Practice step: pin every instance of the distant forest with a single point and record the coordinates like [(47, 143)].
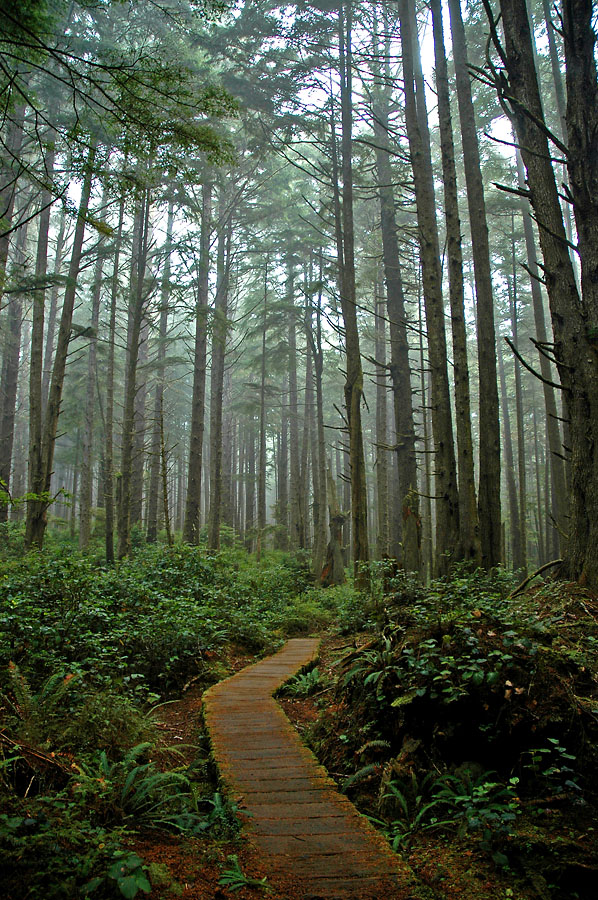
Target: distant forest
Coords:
[(314, 276)]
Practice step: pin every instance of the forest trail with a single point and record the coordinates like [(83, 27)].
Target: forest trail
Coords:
[(310, 835)]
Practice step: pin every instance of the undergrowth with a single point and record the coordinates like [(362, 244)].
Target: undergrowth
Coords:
[(88, 656), (472, 715)]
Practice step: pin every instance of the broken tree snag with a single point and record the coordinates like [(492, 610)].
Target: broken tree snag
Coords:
[(411, 534), (333, 571)]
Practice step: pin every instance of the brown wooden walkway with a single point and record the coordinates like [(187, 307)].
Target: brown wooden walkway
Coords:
[(306, 830)]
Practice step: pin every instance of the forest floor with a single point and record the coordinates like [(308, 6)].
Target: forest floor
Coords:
[(461, 717), (191, 867), (448, 865)]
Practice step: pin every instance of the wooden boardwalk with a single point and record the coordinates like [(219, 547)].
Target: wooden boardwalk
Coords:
[(308, 833)]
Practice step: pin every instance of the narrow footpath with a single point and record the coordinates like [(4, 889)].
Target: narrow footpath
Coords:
[(308, 833)]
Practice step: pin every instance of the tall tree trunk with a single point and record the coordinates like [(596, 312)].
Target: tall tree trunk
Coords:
[(228, 455), (399, 368), (426, 465), (559, 496), (354, 376), (75, 488), (19, 479), (242, 481), (574, 318), (469, 526), (561, 105), (51, 324), (156, 448), (509, 470), (193, 502), (250, 487), (164, 470), (381, 434), (282, 502), (305, 452), (109, 436), (296, 522), (136, 312), (542, 554), (512, 288), (138, 457), (10, 378), (41, 470), (219, 336), (321, 499), (446, 495), (35, 475), (489, 427), (11, 171), (261, 474), (85, 491)]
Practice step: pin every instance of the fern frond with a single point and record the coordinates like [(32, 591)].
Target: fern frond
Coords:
[(360, 775), (373, 745)]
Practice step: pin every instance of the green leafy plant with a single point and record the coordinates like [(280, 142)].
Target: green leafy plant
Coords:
[(441, 801), (414, 806), (373, 668), (221, 819), (37, 711), (129, 790), (127, 871), (480, 803), (234, 878), (304, 684), (552, 764)]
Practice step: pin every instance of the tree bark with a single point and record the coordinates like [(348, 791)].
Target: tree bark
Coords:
[(489, 426), (305, 452), (9, 379), (560, 501), (296, 521), (136, 312), (509, 471), (11, 171), (250, 487), (354, 375), (261, 473), (35, 475), (334, 568), (574, 318), (219, 336), (109, 436), (542, 551), (321, 500), (51, 324), (164, 471), (85, 490), (42, 462), (156, 452), (399, 367), (282, 502), (446, 495), (138, 456), (381, 461), (193, 502), (469, 525), (520, 561)]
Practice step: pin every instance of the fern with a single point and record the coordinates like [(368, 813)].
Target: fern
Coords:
[(133, 790), (360, 775), (36, 710), (373, 745)]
